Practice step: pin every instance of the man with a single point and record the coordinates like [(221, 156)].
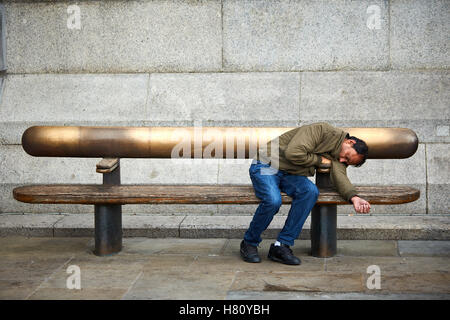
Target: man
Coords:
[(295, 155)]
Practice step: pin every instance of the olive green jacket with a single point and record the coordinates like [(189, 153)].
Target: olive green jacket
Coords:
[(300, 151)]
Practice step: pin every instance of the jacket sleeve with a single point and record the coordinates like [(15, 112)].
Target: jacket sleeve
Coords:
[(300, 150), (340, 180)]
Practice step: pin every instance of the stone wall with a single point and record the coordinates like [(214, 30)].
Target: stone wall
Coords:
[(226, 63)]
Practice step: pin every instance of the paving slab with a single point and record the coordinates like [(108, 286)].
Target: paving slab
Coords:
[(13, 247), (436, 282), (17, 289), (183, 246), (169, 262), (146, 247), (300, 281), (257, 295), (428, 264), (190, 285), (75, 294), (360, 264), (424, 248), (391, 265), (234, 263), (97, 274), (34, 268)]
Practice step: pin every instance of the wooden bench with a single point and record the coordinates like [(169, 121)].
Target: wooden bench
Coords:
[(113, 143)]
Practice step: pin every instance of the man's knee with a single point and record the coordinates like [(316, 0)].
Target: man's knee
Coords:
[(311, 191), (307, 191), (273, 201)]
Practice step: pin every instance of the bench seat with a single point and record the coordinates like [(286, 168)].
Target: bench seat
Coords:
[(190, 194)]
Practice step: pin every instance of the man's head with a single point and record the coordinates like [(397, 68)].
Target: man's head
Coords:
[(354, 151)]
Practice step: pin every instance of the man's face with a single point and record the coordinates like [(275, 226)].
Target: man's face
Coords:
[(348, 154)]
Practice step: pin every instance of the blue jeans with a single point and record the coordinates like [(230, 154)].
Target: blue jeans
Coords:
[(268, 182)]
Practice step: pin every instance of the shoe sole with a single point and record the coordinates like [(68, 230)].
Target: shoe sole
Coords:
[(281, 261)]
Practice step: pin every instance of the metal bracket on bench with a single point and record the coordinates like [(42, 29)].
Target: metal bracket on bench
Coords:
[(108, 217), (107, 165), (323, 220), (324, 168)]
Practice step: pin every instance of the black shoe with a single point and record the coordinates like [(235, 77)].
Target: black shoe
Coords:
[(249, 253), (282, 254)]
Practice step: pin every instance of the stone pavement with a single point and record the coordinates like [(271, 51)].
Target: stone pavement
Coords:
[(177, 268)]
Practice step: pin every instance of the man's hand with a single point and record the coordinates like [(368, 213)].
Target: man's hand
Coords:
[(360, 205), (325, 160)]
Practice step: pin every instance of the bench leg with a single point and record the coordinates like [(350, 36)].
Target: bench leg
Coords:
[(108, 229), (323, 223), (108, 219), (323, 231)]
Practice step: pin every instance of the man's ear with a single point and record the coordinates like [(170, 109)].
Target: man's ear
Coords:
[(351, 142)]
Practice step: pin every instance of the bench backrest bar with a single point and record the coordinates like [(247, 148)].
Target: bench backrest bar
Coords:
[(190, 142)]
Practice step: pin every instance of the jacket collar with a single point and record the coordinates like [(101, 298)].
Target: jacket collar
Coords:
[(337, 148)]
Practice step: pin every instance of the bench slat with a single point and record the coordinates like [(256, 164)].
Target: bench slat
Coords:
[(190, 194)]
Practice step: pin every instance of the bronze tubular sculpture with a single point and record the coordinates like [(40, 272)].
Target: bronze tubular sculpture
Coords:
[(113, 143), (159, 142)]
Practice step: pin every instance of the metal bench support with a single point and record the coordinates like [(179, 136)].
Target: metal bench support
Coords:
[(323, 223), (108, 217)]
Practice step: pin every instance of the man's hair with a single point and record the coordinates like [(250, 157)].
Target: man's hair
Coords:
[(361, 148)]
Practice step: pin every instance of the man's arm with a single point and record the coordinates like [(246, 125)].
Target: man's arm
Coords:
[(300, 150), (345, 188)]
